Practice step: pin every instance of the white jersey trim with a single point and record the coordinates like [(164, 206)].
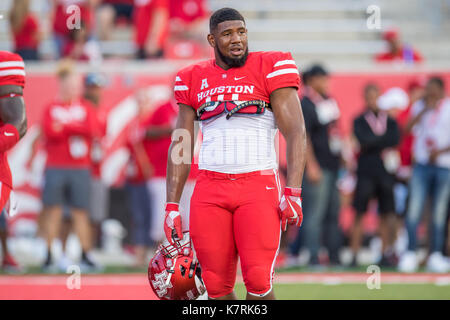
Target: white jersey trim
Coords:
[(12, 72), (11, 64), (181, 88), (284, 62), (281, 72)]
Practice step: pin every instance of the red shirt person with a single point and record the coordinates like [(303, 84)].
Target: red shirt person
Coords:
[(13, 123), (151, 19), (25, 30), (398, 51)]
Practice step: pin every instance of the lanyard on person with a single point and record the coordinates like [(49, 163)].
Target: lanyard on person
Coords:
[(378, 125)]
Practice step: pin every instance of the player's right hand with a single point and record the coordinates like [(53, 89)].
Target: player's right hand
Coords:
[(172, 222), (290, 208)]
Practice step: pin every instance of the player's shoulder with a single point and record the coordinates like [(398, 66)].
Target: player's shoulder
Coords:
[(6, 56), (195, 68), (272, 56)]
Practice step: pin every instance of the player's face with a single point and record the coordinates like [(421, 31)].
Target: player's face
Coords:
[(229, 41)]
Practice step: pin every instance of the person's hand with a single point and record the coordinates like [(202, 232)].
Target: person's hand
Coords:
[(291, 208), (314, 173), (172, 223), (434, 153)]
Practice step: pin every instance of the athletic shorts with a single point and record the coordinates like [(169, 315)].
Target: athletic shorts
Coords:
[(5, 191), (378, 187), (231, 216), (69, 187)]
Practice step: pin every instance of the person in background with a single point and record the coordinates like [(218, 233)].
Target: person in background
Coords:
[(25, 30), (320, 193), (415, 91), (62, 16), (79, 46), (188, 18), (99, 204), (67, 128), (430, 125), (138, 172), (398, 51), (151, 21), (110, 12), (376, 133), (157, 142)]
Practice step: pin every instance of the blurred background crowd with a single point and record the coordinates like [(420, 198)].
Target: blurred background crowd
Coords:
[(90, 174)]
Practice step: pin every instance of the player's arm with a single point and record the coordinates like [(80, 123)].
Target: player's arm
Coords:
[(178, 167), (13, 116), (289, 118)]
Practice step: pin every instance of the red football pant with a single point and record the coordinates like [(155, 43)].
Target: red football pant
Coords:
[(231, 215), (5, 191)]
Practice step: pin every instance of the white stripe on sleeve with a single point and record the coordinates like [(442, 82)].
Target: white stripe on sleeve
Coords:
[(12, 72), (281, 72), (284, 62), (10, 64), (181, 88)]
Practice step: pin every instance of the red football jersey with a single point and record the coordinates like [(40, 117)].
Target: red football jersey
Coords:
[(262, 73), (68, 130), (12, 72)]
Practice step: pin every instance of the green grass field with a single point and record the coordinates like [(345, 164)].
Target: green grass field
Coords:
[(309, 291)]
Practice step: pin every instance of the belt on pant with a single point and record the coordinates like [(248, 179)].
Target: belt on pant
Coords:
[(234, 176)]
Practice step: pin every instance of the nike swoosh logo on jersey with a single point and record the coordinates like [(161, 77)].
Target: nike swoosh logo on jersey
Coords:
[(269, 188), (8, 134), (239, 78)]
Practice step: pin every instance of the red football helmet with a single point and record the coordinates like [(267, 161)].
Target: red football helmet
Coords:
[(168, 271)]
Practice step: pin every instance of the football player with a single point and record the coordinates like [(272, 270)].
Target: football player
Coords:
[(13, 120), (13, 126), (238, 208)]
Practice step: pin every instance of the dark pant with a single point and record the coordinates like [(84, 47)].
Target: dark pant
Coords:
[(139, 200), (428, 180), (320, 217)]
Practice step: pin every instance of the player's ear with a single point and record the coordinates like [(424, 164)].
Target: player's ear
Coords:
[(211, 40)]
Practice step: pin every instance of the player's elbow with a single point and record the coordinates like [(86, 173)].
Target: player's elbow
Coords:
[(23, 127)]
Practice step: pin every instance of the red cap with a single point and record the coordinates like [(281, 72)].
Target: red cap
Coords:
[(390, 35), (416, 83)]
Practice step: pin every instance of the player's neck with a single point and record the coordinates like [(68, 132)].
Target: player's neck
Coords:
[(221, 64)]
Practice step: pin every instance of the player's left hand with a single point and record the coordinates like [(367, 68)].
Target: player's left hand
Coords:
[(291, 208)]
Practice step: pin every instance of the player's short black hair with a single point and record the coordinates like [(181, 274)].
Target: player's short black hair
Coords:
[(224, 14), (437, 81)]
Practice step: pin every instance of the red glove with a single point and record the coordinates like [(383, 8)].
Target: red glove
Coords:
[(291, 207), (172, 222)]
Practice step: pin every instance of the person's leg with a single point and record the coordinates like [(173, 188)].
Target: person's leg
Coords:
[(53, 200), (314, 217), (3, 233), (333, 234), (139, 202), (364, 190), (257, 230), (211, 231), (386, 205), (419, 189), (79, 187), (439, 207), (157, 189)]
